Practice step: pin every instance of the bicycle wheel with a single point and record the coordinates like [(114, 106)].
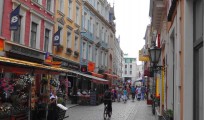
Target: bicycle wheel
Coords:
[(105, 114)]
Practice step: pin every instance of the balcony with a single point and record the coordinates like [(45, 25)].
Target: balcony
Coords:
[(88, 36)]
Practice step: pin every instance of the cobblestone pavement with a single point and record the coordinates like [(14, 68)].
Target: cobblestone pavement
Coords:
[(137, 110)]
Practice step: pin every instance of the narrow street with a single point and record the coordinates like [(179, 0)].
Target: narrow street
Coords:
[(137, 110)]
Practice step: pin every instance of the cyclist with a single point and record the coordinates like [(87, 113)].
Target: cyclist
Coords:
[(108, 100)]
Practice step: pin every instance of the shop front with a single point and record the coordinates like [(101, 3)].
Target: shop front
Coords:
[(25, 88)]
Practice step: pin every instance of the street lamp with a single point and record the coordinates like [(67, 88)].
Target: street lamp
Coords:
[(154, 55)]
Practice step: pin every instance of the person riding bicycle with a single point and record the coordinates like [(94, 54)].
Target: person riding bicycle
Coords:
[(107, 99)]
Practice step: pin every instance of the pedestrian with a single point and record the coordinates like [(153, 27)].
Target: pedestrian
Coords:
[(133, 92), (52, 105), (143, 90)]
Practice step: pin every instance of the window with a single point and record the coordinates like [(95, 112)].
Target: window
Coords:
[(125, 72), (102, 34), (69, 39), (91, 25), (97, 29), (85, 20), (90, 53), (125, 66), (84, 50), (105, 59), (96, 54), (61, 31), (61, 6), (17, 33), (130, 66), (76, 43), (102, 58), (46, 44), (70, 9), (49, 5), (33, 35), (130, 72), (77, 15)]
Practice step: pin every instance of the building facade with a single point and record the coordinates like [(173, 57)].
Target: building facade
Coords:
[(129, 69)]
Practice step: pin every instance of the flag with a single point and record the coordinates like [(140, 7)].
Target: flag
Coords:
[(14, 18), (57, 38)]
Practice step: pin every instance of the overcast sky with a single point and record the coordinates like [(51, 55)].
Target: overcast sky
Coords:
[(132, 18)]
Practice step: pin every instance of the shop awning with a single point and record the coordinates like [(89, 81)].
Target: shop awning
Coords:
[(111, 75), (37, 65), (97, 75)]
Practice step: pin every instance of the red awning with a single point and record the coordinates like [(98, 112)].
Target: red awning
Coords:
[(97, 75)]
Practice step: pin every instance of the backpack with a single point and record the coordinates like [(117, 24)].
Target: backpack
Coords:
[(107, 94)]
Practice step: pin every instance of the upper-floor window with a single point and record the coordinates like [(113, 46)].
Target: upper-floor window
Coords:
[(76, 43), (49, 5), (61, 6), (125, 66), (61, 33), (17, 33), (46, 44), (77, 15), (85, 20), (105, 56), (96, 59), (97, 29), (33, 35), (70, 9), (91, 25), (38, 1), (125, 72), (130, 66), (84, 50), (69, 39), (90, 53), (130, 72)]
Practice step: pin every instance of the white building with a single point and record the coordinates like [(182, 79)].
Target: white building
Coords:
[(129, 69)]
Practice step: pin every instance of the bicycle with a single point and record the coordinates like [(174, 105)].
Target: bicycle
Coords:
[(107, 113)]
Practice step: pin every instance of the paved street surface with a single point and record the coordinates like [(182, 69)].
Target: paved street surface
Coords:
[(137, 110)]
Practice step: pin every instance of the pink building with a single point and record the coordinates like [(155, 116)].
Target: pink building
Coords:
[(35, 28)]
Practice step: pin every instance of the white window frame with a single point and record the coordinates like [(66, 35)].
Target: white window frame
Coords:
[(77, 14), (38, 1), (91, 24), (105, 59), (61, 33), (50, 27), (97, 29), (76, 42), (85, 21), (101, 57), (51, 6), (84, 50), (61, 5), (70, 6), (90, 52), (36, 20), (69, 39), (96, 54), (22, 13)]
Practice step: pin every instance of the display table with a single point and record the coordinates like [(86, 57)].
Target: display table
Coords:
[(23, 116)]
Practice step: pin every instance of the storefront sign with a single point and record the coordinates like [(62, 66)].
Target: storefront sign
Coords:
[(66, 63), (21, 50), (1, 44), (91, 66), (143, 55)]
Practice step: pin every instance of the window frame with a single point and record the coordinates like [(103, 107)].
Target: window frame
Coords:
[(46, 41), (70, 9), (33, 45)]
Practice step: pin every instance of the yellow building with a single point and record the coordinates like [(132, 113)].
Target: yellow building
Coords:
[(68, 19)]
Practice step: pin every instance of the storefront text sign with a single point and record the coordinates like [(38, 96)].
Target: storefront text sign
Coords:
[(21, 50)]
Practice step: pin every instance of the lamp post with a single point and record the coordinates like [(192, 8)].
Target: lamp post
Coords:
[(154, 55)]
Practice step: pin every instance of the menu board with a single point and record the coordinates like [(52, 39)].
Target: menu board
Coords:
[(93, 98)]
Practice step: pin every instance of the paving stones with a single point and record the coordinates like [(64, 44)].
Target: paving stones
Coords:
[(137, 110)]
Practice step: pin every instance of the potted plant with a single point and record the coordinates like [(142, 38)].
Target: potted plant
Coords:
[(59, 48), (69, 51), (44, 80), (76, 53), (169, 114)]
